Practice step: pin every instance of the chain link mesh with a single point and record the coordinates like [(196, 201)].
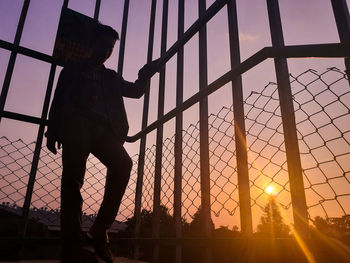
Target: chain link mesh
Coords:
[(322, 109)]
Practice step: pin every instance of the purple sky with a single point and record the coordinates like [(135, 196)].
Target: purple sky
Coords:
[(304, 22)]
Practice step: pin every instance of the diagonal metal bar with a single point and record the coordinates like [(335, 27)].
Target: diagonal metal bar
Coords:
[(27, 52), (335, 50), (300, 51)]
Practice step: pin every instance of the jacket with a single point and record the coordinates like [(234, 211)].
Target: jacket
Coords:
[(70, 86)]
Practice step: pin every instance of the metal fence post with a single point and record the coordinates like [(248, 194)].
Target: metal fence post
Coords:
[(159, 143), (141, 160), (204, 134), (39, 140), (97, 9), (289, 126), (38, 144), (40, 136), (12, 60), (123, 37), (342, 19), (178, 134), (239, 124)]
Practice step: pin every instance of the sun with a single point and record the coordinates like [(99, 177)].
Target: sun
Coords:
[(269, 189)]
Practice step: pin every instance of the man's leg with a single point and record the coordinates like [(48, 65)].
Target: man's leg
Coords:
[(74, 156), (113, 155), (118, 162)]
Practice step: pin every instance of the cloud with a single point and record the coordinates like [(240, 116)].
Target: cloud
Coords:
[(246, 37)]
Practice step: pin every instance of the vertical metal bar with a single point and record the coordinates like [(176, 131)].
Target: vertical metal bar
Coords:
[(178, 134), (159, 143), (239, 124), (204, 134), (289, 126), (342, 19), (123, 37), (12, 60), (97, 9), (38, 144), (141, 160), (36, 156)]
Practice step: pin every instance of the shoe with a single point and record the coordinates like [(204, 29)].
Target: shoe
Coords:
[(80, 255), (101, 246)]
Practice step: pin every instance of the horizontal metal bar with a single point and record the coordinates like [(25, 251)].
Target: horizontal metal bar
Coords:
[(188, 242), (20, 117), (317, 50), (301, 51), (28, 52)]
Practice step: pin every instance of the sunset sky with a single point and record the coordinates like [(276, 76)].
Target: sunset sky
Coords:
[(304, 22)]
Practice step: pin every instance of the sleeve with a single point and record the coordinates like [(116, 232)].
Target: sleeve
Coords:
[(55, 114), (132, 89)]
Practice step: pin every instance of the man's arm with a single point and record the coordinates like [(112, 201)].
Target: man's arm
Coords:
[(137, 89), (55, 114)]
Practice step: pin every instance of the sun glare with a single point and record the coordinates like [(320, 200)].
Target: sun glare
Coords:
[(269, 189)]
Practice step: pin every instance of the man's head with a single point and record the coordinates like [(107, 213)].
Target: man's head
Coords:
[(103, 43)]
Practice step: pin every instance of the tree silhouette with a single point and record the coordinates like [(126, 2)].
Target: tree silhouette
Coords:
[(166, 224), (272, 224), (196, 226), (336, 227)]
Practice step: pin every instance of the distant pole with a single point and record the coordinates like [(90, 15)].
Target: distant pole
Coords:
[(289, 125), (239, 124)]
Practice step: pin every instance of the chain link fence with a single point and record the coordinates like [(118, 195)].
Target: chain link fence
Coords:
[(322, 109)]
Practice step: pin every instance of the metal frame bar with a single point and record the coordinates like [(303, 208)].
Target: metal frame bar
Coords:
[(239, 124), (204, 135), (300, 51), (38, 144), (141, 160), (123, 37), (159, 139), (342, 19), (178, 134), (295, 173), (13, 56), (331, 50), (279, 52), (27, 52), (40, 135)]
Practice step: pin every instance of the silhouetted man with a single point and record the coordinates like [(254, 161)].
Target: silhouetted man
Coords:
[(88, 116)]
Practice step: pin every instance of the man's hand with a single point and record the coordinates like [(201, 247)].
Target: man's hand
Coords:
[(51, 144), (148, 70)]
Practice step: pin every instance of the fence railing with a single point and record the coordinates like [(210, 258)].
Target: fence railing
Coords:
[(322, 115), (31, 164)]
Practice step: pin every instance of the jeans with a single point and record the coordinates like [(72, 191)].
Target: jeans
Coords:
[(80, 137)]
